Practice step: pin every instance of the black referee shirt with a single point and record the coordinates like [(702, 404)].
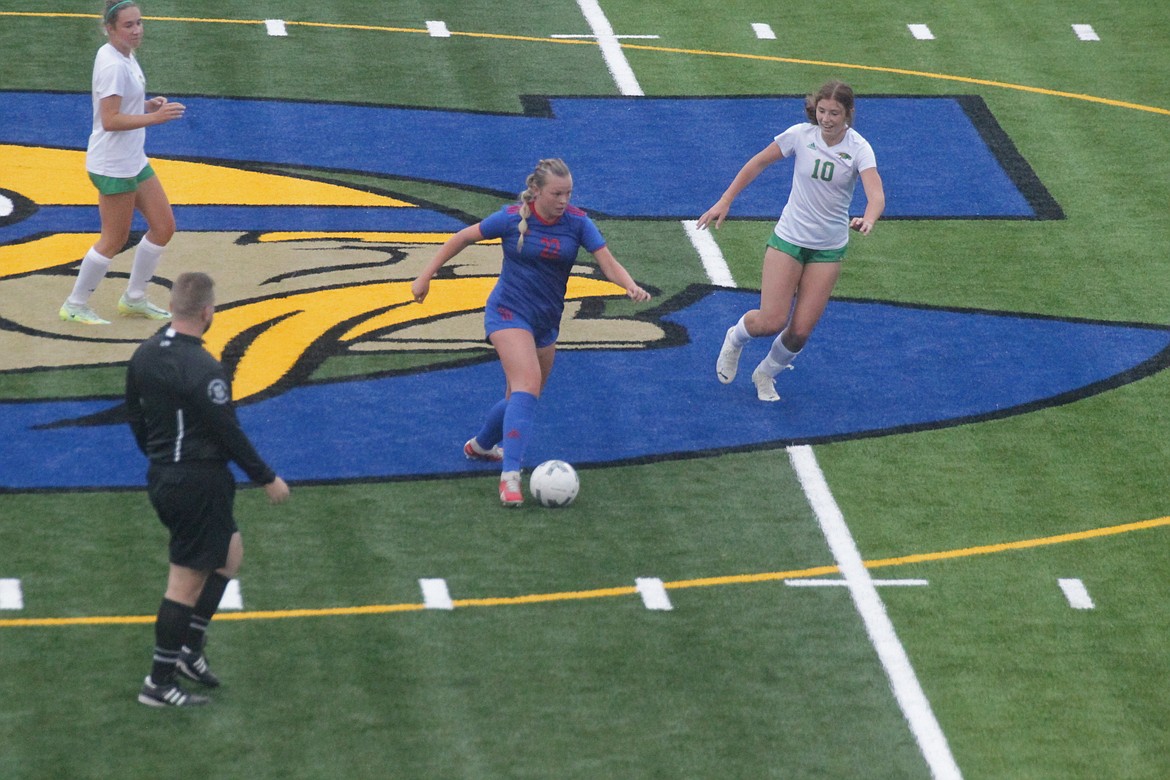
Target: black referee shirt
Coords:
[(180, 407)]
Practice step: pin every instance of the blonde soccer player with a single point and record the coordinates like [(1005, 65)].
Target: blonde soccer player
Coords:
[(540, 235)]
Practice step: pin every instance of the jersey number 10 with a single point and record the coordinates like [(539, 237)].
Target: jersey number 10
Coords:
[(823, 170)]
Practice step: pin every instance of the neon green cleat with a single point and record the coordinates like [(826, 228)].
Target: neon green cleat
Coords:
[(71, 312), (141, 308)]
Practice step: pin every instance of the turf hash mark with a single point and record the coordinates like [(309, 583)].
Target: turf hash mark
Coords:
[(624, 591)]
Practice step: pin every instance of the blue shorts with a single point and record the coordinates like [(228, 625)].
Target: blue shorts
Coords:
[(501, 318)]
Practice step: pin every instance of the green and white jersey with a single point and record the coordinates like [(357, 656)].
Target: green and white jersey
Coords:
[(817, 213)]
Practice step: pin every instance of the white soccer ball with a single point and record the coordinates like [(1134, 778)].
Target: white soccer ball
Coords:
[(554, 483)]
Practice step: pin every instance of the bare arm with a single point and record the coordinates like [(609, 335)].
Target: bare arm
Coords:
[(453, 246), (158, 110), (747, 174), (616, 273), (277, 491), (875, 196)]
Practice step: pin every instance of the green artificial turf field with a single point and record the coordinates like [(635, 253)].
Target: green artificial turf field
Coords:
[(550, 665)]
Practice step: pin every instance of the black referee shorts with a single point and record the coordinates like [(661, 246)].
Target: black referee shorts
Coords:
[(194, 501)]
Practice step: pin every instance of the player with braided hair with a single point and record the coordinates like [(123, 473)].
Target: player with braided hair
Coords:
[(544, 169), (541, 235)]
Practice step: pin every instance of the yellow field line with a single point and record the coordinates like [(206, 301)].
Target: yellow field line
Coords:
[(747, 579), (652, 48), (600, 593), (902, 72), (322, 25), (968, 552)]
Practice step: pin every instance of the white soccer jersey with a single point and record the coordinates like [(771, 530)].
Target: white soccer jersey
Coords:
[(817, 213), (118, 153)]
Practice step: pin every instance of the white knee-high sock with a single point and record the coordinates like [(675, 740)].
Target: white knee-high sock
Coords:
[(779, 357), (93, 270), (739, 334), (146, 258)]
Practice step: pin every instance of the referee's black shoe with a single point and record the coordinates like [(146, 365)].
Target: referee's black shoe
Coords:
[(194, 667), (168, 696)]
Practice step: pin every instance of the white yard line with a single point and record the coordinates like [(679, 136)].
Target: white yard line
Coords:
[(438, 29), (709, 254), (763, 31), (1086, 32), (232, 597), (435, 594), (653, 593), (904, 683), (570, 36), (11, 595), (819, 583), (1077, 594), (921, 32), (611, 49)]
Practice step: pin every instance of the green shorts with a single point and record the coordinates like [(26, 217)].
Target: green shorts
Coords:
[(111, 185), (803, 255)]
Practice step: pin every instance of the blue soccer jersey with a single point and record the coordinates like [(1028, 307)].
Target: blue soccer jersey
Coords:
[(532, 282)]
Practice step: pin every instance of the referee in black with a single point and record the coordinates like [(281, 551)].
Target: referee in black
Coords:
[(180, 407)]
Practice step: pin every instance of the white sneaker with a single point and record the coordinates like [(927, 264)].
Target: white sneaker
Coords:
[(71, 312), (765, 386), (727, 364), (766, 383)]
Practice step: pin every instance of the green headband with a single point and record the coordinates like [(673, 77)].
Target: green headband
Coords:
[(113, 8)]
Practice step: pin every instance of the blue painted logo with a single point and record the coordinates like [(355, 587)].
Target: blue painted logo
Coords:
[(313, 270)]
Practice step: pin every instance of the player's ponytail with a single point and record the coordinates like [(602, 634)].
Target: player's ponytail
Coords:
[(525, 212), (536, 180)]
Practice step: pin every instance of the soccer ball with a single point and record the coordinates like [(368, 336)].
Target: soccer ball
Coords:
[(554, 483)]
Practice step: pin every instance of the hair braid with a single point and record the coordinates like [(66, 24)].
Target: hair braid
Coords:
[(525, 212), (554, 166)]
